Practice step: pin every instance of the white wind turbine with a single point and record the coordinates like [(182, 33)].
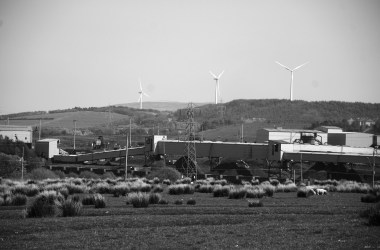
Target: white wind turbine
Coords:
[(291, 81), (141, 92), (217, 90)]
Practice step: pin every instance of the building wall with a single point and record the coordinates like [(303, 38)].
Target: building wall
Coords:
[(350, 139), (47, 148), (14, 135)]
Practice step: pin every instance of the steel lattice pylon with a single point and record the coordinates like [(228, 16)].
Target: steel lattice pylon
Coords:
[(189, 165)]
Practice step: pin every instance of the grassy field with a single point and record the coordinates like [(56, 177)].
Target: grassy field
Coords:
[(285, 221)]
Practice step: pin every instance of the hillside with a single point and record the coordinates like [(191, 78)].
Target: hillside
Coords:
[(161, 106), (282, 111)]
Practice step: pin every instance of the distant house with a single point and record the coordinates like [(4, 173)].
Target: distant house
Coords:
[(17, 133)]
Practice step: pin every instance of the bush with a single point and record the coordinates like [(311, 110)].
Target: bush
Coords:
[(120, 189), (71, 207), (191, 202), (28, 190), (138, 199), (42, 173), (181, 189), (205, 188), (255, 203), (165, 173), (45, 205), (255, 192), (99, 201)]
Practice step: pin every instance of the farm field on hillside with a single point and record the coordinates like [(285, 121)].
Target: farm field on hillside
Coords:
[(285, 222)]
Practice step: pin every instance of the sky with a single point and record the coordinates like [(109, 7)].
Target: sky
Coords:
[(91, 53)]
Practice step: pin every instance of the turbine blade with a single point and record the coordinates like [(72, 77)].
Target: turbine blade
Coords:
[(283, 66), (146, 94), (220, 74), (140, 84), (300, 66), (213, 74)]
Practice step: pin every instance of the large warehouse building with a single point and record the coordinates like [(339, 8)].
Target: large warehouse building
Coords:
[(17, 133)]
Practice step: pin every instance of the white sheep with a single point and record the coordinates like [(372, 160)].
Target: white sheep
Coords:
[(321, 191)]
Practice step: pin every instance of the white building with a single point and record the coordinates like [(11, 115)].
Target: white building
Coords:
[(47, 148), (290, 135), (17, 133)]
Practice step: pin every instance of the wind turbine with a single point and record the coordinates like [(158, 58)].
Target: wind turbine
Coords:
[(217, 90), (291, 81), (141, 92)]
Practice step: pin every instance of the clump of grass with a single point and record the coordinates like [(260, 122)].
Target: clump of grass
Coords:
[(268, 189), (221, 191), (255, 192), (237, 193), (222, 182), (167, 182), (178, 202), (274, 182), (122, 188), (191, 202), (205, 188), (255, 203), (154, 198), (99, 201), (163, 201), (88, 200), (101, 188), (186, 180), (71, 207), (156, 180), (370, 198), (45, 205), (19, 200), (373, 215), (27, 189), (181, 189), (158, 188), (139, 199)]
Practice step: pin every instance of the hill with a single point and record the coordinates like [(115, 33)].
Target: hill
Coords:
[(161, 106), (281, 112)]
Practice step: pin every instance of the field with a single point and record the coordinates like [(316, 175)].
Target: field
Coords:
[(284, 221)]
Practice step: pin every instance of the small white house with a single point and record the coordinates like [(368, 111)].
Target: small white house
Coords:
[(47, 148)]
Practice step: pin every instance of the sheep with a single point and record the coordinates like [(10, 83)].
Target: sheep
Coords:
[(321, 191)]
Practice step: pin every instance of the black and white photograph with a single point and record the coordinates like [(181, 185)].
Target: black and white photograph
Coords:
[(189, 124)]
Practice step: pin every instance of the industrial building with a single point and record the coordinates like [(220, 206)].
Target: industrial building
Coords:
[(353, 139), (291, 135), (17, 133), (47, 148)]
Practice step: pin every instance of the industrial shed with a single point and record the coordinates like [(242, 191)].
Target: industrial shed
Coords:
[(287, 135), (353, 139), (47, 148), (17, 133)]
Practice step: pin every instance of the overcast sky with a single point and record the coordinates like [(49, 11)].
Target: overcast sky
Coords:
[(61, 54)]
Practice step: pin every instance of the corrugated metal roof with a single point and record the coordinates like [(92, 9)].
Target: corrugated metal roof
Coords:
[(48, 140), (15, 128), (292, 130)]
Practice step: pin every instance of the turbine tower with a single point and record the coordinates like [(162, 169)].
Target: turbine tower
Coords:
[(291, 71), (217, 90), (141, 92)]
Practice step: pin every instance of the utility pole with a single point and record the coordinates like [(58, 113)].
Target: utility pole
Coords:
[(22, 165), (130, 132), (75, 129), (126, 160), (242, 132), (373, 166), (39, 133), (301, 169)]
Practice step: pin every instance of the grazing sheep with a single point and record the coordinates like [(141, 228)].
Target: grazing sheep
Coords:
[(321, 191)]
